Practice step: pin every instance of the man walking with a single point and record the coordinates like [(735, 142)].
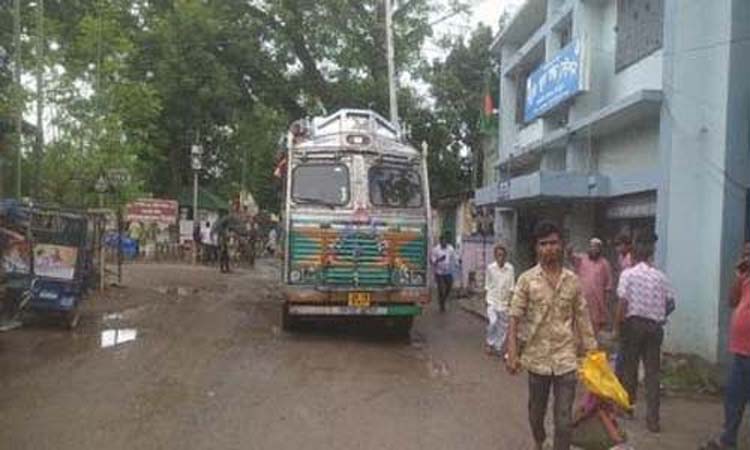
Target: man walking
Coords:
[(596, 280), (737, 394), (646, 298), (549, 305), (443, 259), (624, 247), (498, 285), (224, 250)]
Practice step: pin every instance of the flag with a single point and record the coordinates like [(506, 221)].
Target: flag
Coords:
[(489, 106), (488, 119)]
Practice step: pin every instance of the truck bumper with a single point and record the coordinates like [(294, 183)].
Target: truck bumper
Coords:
[(343, 310)]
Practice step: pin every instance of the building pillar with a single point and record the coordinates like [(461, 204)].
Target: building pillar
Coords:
[(695, 206)]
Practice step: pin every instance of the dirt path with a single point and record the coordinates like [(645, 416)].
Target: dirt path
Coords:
[(184, 358)]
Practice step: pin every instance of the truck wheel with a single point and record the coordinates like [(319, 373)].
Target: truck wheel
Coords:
[(402, 326), (72, 318), (288, 322)]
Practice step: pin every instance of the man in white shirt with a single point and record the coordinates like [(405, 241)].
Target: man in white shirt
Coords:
[(443, 259), (498, 286)]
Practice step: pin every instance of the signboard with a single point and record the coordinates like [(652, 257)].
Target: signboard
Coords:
[(554, 81), (16, 256), (150, 210), (51, 261), (55, 261), (118, 177), (633, 207)]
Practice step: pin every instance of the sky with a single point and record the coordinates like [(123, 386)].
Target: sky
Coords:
[(490, 10), (483, 11)]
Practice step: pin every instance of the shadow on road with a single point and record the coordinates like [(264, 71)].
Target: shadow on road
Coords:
[(366, 330)]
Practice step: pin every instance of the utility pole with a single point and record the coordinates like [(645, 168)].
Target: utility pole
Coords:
[(196, 151), (17, 79), (391, 64), (243, 189), (39, 148)]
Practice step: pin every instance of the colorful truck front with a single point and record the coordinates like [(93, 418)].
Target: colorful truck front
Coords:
[(356, 220)]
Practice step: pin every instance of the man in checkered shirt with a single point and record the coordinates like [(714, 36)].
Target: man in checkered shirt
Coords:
[(646, 298)]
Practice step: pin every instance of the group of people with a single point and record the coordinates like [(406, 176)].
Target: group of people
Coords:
[(212, 246), (555, 313), (224, 244)]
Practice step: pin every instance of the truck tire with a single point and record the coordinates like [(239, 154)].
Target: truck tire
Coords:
[(72, 318), (401, 326), (288, 322)]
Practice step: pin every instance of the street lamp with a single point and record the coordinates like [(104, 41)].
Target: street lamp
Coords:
[(196, 151)]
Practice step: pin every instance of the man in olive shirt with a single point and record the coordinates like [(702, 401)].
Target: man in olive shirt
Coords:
[(549, 307)]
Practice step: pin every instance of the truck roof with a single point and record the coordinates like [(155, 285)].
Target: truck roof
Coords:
[(350, 129)]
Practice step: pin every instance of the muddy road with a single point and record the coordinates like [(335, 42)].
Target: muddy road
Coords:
[(182, 357)]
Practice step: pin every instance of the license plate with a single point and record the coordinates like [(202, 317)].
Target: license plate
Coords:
[(359, 299)]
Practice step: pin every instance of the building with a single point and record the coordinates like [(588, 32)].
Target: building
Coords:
[(631, 116)]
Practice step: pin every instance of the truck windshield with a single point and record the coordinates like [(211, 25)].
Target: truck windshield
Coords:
[(323, 184), (395, 187)]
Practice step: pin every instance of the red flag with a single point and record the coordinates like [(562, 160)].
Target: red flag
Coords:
[(489, 106)]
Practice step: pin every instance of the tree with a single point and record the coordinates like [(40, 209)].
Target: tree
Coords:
[(136, 83), (459, 85)]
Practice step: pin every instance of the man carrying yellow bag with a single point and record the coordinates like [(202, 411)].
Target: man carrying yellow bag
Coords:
[(595, 426), (548, 305), (599, 379)]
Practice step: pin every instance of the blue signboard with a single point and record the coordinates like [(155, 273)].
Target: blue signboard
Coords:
[(554, 81)]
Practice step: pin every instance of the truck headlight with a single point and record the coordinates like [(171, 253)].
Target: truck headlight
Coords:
[(295, 276)]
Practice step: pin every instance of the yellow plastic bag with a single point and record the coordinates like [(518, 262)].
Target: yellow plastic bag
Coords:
[(601, 381)]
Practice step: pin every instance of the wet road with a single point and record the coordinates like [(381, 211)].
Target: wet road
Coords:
[(183, 358)]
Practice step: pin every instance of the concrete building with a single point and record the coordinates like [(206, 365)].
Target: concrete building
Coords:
[(627, 116)]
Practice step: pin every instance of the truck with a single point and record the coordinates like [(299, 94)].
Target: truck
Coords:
[(356, 221)]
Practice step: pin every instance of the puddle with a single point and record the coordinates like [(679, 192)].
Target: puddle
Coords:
[(114, 337), (113, 316), (180, 291), (437, 369)]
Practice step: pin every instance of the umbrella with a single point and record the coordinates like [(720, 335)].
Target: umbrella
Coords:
[(230, 222)]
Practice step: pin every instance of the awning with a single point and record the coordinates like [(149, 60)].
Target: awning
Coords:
[(553, 185)]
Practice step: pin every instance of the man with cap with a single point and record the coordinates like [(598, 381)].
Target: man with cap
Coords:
[(595, 275)]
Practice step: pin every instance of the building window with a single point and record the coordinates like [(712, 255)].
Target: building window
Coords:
[(565, 37), (640, 30), (564, 31), (521, 97)]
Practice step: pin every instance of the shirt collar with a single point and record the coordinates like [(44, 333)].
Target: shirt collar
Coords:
[(538, 272)]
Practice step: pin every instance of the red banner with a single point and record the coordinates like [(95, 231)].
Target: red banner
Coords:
[(153, 210)]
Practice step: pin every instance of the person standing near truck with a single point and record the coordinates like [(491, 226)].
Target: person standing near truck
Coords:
[(443, 260)]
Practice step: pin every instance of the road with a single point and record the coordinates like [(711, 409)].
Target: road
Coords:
[(198, 362)]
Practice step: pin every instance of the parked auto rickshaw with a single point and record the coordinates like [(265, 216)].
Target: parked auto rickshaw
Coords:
[(48, 258)]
